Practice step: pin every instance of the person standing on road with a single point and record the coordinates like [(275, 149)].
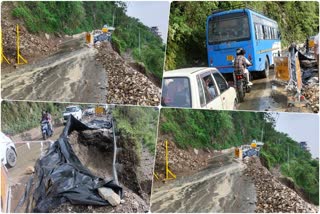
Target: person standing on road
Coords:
[(241, 63), (316, 47)]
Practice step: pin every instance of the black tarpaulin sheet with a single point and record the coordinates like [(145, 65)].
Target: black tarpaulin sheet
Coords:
[(100, 124), (62, 178)]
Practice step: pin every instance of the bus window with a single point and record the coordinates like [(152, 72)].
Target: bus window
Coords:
[(229, 27), (259, 31)]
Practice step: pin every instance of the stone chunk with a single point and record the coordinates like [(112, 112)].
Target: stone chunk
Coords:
[(109, 195)]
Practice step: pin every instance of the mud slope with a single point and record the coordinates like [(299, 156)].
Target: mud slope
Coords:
[(69, 75)]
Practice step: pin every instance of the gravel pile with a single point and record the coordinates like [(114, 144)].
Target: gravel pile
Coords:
[(126, 85), (273, 196)]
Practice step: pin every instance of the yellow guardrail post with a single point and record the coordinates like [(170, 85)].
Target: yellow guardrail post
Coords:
[(1, 50), (168, 172), (18, 49)]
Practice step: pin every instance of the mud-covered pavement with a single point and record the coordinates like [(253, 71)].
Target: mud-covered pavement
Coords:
[(71, 74), (220, 187), (265, 95), (27, 155)]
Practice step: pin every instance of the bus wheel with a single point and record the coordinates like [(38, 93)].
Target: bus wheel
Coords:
[(265, 73)]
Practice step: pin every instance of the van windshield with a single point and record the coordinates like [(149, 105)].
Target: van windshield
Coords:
[(229, 27), (176, 92), (71, 109)]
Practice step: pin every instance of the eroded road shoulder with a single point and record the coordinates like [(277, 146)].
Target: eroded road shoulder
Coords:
[(218, 188)]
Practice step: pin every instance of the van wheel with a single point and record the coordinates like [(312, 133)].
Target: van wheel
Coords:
[(11, 157)]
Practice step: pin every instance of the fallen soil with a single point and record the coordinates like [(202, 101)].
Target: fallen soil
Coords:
[(272, 195), (219, 187), (94, 148), (125, 84), (32, 46), (311, 93), (183, 161), (132, 204)]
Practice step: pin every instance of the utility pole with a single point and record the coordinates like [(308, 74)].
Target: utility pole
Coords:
[(113, 16), (261, 136), (288, 159), (139, 43)]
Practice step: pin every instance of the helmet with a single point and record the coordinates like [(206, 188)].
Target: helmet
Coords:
[(241, 51)]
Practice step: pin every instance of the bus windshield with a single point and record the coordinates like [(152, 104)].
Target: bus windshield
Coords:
[(229, 27)]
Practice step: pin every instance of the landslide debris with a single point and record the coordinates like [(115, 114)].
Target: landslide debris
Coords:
[(125, 84), (311, 93), (180, 160), (132, 203), (272, 195), (31, 45)]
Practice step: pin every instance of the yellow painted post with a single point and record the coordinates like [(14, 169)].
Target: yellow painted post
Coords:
[(1, 50), (168, 172), (18, 49)]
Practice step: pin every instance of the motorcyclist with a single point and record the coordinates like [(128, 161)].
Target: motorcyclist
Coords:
[(46, 117), (241, 63), (49, 118)]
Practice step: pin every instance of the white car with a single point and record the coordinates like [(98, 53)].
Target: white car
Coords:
[(72, 110), (197, 88), (90, 110), (8, 153)]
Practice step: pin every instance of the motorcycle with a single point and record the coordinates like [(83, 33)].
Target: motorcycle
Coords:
[(45, 130), (242, 86)]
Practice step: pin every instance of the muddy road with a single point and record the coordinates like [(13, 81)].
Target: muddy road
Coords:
[(71, 74), (27, 156), (264, 96), (220, 187)]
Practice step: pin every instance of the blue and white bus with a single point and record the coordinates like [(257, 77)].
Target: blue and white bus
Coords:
[(228, 30)]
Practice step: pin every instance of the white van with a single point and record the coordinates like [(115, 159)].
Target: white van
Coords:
[(197, 88)]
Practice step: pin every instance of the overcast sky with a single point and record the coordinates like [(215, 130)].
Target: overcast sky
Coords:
[(301, 127), (151, 13)]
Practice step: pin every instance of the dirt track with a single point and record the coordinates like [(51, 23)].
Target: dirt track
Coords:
[(263, 98), (72, 74), (218, 188)]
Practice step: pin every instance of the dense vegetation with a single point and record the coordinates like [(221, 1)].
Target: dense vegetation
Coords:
[(223, 129), (186, 39), (17, 117), (140, 123), (71, 17)]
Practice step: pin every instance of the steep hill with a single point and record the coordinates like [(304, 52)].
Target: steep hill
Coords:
[(71, 17), (206, 129)]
